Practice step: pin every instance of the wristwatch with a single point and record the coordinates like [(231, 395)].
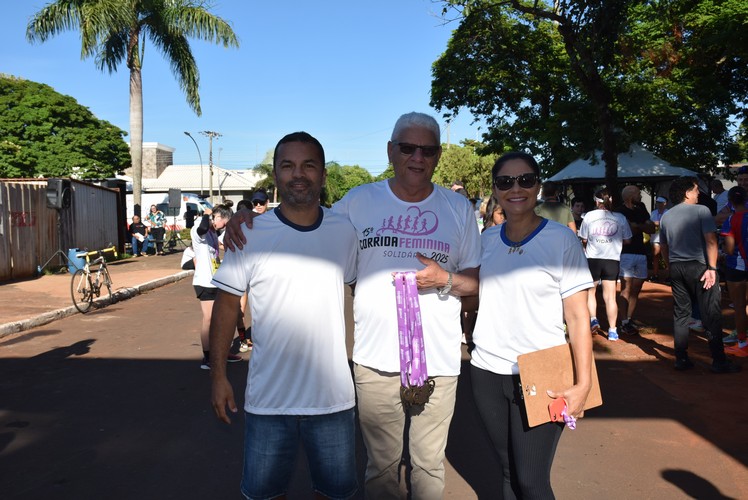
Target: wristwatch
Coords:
[(445, 289), (711, 268)]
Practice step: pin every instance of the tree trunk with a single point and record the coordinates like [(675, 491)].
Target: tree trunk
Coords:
[(136, 134), (610, 151), (585, 67)]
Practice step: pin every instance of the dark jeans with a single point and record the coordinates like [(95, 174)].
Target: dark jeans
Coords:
[(525, 454), (138, 247), (158, 234), (688, 290), (271, 444)]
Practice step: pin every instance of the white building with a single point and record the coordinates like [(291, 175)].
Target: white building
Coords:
[(159, 175)]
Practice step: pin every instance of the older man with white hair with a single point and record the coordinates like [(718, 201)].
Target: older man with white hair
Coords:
[(409, 223)]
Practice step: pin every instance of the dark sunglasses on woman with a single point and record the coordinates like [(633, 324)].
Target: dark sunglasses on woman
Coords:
[(506, 182)]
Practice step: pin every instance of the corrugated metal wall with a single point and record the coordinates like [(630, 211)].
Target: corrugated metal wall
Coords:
[(27, 227), (31, 232), (94, 217)]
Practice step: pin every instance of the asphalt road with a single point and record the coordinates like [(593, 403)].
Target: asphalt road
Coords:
[(113, 404)]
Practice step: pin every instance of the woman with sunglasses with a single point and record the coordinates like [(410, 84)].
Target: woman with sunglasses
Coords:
[(603, 233), (533, 275)]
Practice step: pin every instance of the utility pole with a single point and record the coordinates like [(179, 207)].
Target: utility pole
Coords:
[(210, 135)]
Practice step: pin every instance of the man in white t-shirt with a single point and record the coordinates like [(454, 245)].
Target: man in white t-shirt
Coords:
[(299, 387), (397, 222)]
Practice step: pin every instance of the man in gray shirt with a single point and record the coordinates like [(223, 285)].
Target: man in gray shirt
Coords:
[(689, 242)]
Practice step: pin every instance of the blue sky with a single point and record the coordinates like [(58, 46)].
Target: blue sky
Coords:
[(342, 70)]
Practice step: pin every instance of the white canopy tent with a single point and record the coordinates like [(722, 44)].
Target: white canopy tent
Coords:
[(636, 165)]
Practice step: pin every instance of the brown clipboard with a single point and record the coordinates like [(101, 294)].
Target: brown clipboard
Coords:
[(553, 369)]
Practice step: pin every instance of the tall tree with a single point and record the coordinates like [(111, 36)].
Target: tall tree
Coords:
[(114, 31), (44, 133), (579, 75)]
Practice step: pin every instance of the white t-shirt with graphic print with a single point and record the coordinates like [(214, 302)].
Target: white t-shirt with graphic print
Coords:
[(390, 233), (604, 231)]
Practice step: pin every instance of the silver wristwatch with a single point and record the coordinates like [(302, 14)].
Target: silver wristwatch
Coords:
[(445, 289)]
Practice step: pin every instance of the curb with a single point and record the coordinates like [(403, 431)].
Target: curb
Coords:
[(120, 294)]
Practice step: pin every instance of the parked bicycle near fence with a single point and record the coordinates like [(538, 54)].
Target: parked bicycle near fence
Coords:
[(88, 282)]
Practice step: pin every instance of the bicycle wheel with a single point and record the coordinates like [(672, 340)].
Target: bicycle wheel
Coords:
[(81, 290)]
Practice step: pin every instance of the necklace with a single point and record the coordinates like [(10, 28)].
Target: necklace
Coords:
[(516, 246)]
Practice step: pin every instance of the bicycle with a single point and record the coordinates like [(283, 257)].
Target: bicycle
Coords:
[(87, 283)]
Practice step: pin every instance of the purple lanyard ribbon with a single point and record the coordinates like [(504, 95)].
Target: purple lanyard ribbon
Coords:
[(410, 331)]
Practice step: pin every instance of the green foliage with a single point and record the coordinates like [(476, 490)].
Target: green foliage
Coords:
[(742, 141), (513, 73), (267, 181), (341, 179), (465, 163), (560, 83), (388, 173), (685, 76), (48, 134), (355, 175), (265, 170)]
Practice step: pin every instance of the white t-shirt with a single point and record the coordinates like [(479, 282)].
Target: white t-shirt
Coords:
[(206, 256), (604, 231), (390, 232), (295, 276), (521, 293)]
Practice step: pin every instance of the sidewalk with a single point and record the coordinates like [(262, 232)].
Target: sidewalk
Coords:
[(37, 301)]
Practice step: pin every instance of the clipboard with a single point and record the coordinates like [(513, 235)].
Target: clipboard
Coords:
[(553, 369)]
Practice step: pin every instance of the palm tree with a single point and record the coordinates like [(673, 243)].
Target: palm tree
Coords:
[(267, 182), (116, 30)]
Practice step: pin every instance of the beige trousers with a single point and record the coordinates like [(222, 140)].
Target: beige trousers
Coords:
[(382, 421)]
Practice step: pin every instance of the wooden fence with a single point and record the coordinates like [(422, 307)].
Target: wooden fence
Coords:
[(31, 232)]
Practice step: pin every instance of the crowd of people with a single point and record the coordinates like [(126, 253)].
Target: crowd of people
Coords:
[(415, 258)]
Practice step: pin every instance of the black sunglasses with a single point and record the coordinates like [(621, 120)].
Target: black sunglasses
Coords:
[(410, 149), (506, 182), (257, 202)]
